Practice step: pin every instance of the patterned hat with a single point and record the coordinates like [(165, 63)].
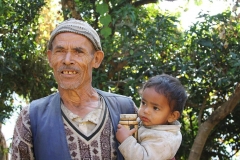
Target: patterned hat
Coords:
[(78, 27)]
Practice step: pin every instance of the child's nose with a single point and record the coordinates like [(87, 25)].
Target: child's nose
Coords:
[(146, 110)]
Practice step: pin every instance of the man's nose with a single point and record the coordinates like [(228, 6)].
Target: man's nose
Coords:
[(68, 59)]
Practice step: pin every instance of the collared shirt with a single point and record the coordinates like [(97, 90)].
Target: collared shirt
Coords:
[(84, 124)]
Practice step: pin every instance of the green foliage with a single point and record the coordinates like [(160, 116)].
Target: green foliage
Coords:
[(211, 64), (138, 42), (210, 73), (222, 136), (105, 18), (23, 68), (189, 130), (133, 56)]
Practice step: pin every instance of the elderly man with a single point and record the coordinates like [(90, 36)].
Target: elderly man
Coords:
[(78, 121)]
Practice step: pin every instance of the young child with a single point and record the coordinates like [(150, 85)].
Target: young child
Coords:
[(162, 102)]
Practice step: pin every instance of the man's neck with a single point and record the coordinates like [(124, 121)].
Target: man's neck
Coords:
[(80, 101)]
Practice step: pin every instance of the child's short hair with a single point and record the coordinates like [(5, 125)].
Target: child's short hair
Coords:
[(171, 88)]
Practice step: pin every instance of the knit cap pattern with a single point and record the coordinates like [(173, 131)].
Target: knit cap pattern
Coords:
[(79, 27)]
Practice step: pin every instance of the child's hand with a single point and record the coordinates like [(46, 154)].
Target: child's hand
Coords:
[(123, 133)]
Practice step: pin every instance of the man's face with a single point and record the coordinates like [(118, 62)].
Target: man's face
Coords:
[(72, 59)]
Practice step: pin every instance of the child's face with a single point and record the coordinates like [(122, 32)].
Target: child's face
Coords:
[(154, 108)]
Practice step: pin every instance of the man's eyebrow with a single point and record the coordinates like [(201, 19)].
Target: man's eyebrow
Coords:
[(59, 47), (78, 49)]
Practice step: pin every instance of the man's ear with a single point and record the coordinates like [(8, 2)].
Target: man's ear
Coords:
[(98, 57), (174, 116), (49, 55)]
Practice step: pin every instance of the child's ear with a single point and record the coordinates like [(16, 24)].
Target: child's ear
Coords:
[(174, 116)]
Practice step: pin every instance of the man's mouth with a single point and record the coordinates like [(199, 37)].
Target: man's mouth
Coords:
[(69, 72), (66, 70)]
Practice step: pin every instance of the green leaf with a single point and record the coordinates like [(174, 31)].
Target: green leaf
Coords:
[(131, 52), (106, 31), (206, 43), (102, 8), (105, 20)]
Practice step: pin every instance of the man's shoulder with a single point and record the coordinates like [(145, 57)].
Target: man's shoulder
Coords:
[(109, 94), (44, 100)]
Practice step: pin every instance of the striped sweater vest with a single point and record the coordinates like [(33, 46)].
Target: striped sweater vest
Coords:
[(49, 137)]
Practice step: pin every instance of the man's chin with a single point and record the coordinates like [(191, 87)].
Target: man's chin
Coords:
[(69, 86)]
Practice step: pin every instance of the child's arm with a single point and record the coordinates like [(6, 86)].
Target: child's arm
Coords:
[(123, 133), (153, 145)]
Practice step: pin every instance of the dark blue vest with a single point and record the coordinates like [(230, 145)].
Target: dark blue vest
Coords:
[(49, 138)]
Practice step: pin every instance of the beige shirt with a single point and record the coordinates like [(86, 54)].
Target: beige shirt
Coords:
[(84, 124), (159, 142)]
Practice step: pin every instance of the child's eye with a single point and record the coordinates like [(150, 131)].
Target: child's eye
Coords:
[(156, 108), (143, 103)]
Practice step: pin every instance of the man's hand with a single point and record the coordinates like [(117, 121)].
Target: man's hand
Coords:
[(123, 133)]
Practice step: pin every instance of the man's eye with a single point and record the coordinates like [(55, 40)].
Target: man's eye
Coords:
[(78, 51), (57, 51)]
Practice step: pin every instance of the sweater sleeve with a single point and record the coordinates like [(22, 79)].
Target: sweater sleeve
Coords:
[(155, 145), (22, 147), (130, 148)]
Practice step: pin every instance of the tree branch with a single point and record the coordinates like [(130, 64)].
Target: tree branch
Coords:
[(205, 129), (143, 2), (222, 111), (202, 109), (70, 4)]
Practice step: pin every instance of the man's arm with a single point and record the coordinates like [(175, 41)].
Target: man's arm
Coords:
[(22, 147)]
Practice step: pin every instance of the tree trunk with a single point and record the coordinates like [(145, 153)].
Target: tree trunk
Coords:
[(3, 146), (205, 128)]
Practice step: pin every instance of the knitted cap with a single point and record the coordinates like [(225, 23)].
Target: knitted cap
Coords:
[(78, 27)]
